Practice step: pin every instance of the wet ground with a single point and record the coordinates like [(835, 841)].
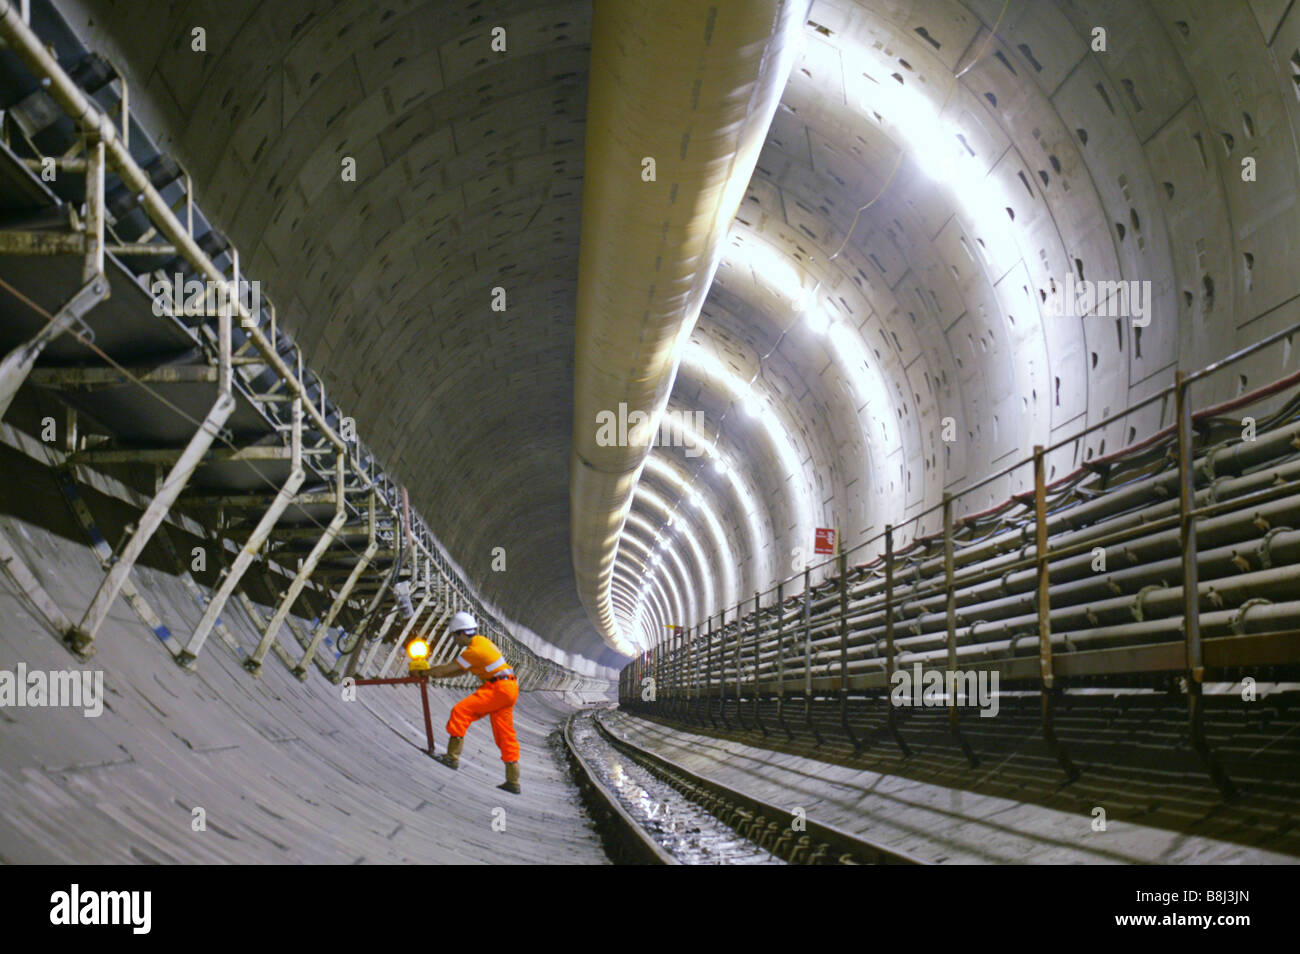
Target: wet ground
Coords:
[(679, 826)]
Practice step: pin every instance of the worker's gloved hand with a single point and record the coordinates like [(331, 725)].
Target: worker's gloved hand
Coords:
[(403, 593)]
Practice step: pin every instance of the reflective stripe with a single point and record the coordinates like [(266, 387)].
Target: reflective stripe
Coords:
[(464, 663), (493, 667)]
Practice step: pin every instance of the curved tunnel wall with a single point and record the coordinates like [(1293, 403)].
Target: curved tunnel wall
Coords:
[(469, 169), (1122, 164), (1046, 157)]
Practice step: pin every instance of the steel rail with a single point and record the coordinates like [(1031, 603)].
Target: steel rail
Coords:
[(837, 843)]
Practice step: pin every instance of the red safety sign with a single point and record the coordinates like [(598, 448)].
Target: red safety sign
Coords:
[(825, 540)]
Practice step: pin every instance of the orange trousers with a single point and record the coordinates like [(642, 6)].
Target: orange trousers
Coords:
[(495, 699)]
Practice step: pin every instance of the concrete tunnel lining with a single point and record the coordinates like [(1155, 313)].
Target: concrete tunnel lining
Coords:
[(1123, 166)]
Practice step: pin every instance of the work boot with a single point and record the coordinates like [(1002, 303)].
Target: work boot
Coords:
[(451, 758), (511, 784)]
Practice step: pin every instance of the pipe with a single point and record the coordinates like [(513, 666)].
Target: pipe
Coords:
[(650, 245)]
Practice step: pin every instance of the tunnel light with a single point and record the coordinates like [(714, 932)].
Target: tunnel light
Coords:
[(771, 267), (726, 558), (700, 361), (670, 538), (818, 320), (939, 146), (663, 466)]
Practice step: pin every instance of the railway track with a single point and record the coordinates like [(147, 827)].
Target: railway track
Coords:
[(650, 810)]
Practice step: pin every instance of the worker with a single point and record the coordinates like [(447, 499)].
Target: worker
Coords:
[(495, 697)]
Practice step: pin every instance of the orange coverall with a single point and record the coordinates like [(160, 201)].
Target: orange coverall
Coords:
[(495, 697)]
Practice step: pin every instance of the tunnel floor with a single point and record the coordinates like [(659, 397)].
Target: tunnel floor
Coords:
[(285, 772), (936, 823)]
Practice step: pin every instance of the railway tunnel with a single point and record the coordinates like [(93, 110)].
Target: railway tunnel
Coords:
[(869, 430)]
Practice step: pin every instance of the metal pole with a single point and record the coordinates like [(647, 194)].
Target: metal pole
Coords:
[(428, 721), (254, 662), (374, 646), (322, 628), (17, 365), (780, 660), (93, 265), (685, 674), (1191, 583), (951, 603), (1047, 693), (740, 640), (251, 546), (844, 654), (722, 668), (694, 644), (807, 656), (81, 637), (890, 661)]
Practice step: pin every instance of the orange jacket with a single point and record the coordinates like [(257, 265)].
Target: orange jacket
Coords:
[(483, 659)]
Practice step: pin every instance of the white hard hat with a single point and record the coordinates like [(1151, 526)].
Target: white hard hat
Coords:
[(462, 621)]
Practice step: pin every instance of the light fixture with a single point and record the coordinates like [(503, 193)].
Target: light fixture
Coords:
[(818, 319), (418, 651)]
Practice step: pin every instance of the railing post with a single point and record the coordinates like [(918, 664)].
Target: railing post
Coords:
[(1047, 692), (93, 264), (708, 677), (780, 661), (678, 672), (1191, 596), (687, 675), (950, 595), (688, 688), (890, 662), (842, 564), (740, 641), (659, 673), (698, 717), (807, 655)]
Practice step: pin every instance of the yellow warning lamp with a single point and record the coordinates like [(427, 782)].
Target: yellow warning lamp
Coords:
[(418, 650)]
